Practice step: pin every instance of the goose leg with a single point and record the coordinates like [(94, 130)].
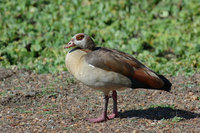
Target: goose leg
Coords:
[(104, 116), (115, 111)]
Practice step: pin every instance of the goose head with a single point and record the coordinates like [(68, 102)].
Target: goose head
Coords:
[(82, 41)]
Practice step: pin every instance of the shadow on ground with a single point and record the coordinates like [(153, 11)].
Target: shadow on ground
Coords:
[(159, 113)]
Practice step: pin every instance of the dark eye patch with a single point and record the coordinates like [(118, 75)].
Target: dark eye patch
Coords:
[(79, 37)]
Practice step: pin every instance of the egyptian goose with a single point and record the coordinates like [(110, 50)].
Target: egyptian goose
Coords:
[(109, 70)]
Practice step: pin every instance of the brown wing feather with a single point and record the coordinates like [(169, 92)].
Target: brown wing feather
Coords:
[(120, 62), (148, 77)]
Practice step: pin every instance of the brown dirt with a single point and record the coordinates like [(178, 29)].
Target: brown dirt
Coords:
[(57, 103)]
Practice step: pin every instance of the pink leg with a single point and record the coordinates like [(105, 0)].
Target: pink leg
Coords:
[(115, 112), (104, 116)]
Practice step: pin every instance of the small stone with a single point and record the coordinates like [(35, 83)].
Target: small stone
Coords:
[(148, 97), (194, 97), (190, 93), (30, 93), (135, 131), (192, 108), (22, 123), (118, 130), (53, 99), (62, 122)]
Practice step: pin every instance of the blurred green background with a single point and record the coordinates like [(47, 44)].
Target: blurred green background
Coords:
[(162, 34)]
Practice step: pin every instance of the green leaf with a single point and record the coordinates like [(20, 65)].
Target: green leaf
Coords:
[(36, 47)]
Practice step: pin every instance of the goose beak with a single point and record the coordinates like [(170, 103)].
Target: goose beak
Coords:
[(70, 44)]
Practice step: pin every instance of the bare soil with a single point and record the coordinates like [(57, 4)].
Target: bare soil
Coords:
[(32, 102)]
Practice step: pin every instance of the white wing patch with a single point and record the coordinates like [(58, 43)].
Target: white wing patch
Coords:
[(91, 66)]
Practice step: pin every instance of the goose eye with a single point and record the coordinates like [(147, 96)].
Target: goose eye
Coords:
[(79, 37)]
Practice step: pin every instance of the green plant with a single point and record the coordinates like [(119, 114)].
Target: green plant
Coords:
[(47, 113), (68, 128), (4, 93), (71, 80), (47, 91), (23, 111), (177, 119), (162, 34), (162, 106)]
